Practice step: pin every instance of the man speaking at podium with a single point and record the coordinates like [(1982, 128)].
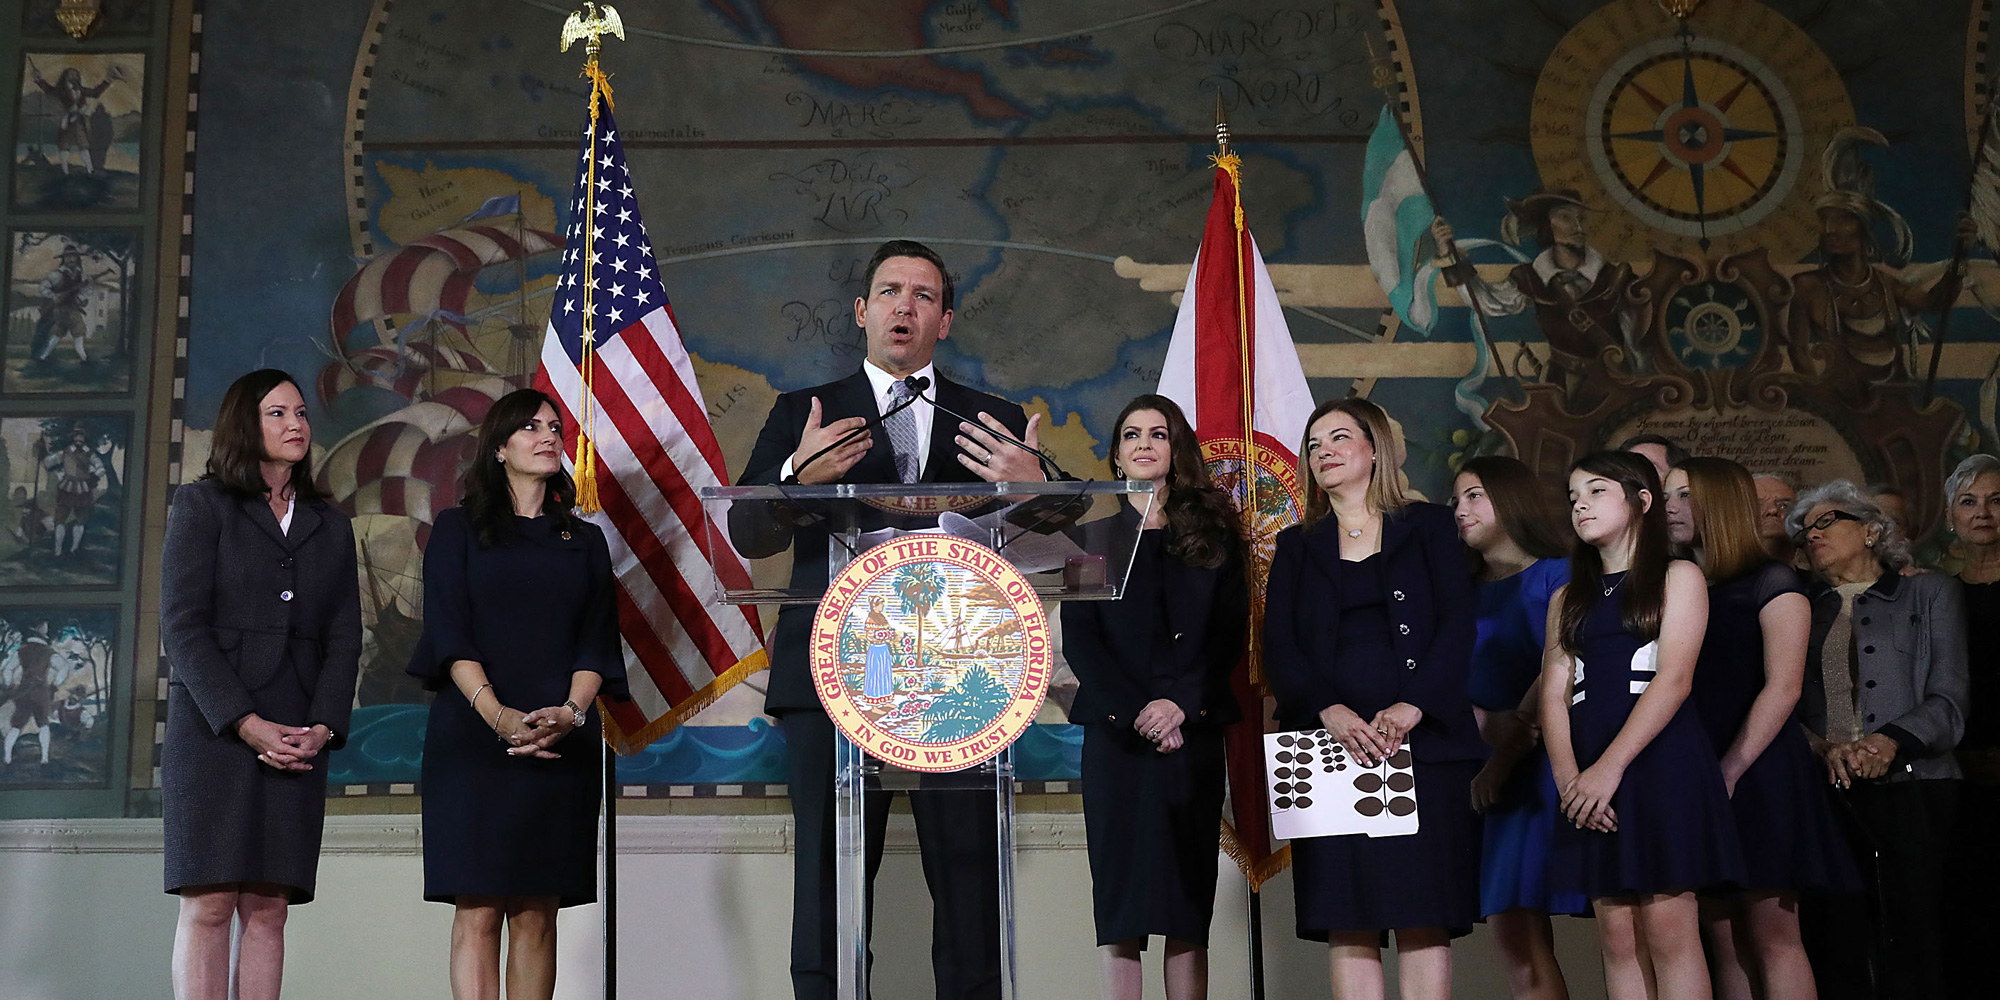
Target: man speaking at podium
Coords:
[(905, 310)]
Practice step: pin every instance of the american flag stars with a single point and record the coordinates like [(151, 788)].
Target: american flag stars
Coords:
[(624, 284)]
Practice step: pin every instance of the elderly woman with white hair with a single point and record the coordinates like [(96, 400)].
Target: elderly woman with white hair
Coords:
[(1972, 922), (1883, 704)]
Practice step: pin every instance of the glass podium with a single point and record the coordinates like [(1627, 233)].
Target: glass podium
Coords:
[(1067, 540)]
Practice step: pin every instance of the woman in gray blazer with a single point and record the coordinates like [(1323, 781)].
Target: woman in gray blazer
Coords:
[(260, 616), (1883, 704)]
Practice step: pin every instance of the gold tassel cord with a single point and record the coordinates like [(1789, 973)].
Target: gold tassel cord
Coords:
[(586, 449)]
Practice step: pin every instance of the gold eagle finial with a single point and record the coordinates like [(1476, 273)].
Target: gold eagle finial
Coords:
[(600, 21)]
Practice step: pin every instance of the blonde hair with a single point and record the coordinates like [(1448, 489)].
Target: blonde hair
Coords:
[(1385, 483)]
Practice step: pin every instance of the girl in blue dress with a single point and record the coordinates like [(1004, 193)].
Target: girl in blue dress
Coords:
[(1648, 819), (1746, 693), (1515, 546)]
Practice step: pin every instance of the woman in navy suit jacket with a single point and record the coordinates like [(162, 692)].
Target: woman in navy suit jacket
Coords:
[(1368, 633), (1153, 695)]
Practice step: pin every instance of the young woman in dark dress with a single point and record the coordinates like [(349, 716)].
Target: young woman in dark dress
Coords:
[(1648, 817), (1153, 695), (1517, 549), (260, 618), (520, 638), (1367, 635), (1746, 693)]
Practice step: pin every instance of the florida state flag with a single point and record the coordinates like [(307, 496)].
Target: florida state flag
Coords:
[(1232, 367)]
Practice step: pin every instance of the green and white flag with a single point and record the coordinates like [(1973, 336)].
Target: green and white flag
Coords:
[(1396, 219)]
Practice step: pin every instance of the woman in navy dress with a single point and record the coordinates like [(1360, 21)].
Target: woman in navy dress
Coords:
[(520, 638), (1153, 696), (1366, 636), (1746, 693), (1515, 545), (1648, 817)]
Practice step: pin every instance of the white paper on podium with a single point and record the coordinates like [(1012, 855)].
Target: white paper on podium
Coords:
[(1029, 551), (1318, 789)]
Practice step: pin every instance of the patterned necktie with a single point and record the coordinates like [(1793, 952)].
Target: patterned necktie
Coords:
[(902, 430)]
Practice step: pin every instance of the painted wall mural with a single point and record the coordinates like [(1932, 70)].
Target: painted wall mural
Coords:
[(1734, 230)]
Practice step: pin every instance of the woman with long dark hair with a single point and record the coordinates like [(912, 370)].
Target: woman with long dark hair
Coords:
[(1515, 545), (520, 639), (1648, 818), (1746, 693), (1366, 636), (1153, 695), (260, 617)]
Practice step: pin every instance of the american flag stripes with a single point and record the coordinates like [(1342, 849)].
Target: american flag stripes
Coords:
[(654, 450)]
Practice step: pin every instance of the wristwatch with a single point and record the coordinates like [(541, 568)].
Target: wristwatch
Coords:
[(575, 711)]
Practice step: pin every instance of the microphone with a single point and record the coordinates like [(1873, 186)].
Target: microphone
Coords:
[(1050, 469), (917, 384), (1043, 514)]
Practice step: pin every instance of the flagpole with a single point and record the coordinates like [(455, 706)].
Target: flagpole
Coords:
[(1232, 165), (1961, 248)]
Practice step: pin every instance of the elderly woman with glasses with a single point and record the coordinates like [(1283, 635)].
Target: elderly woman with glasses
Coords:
[(1883, 704)]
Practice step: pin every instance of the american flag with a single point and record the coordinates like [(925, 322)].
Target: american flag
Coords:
[(654, 450)]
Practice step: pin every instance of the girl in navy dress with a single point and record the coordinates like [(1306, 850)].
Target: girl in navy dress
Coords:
[(1153, 697), (1515, 545), (1648, 820), (1746, 693), (520, 638), (1366, 636)]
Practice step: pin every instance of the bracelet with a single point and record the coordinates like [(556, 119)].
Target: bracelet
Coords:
[(574, 711), (497, 709), (474, 700)]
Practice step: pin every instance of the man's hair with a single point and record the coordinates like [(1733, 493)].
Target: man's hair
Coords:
[(1675, 453), (906, 248)]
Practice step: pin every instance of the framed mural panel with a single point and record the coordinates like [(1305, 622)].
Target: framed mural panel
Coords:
[(115, 19), (65, 478), (56, 681), (71, 311), (78, 129)]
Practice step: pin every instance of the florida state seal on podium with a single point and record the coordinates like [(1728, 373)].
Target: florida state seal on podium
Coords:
[(930, 646)]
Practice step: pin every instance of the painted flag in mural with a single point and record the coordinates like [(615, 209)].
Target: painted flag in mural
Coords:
[(1396, 220), (654, 448), (1249, 419)]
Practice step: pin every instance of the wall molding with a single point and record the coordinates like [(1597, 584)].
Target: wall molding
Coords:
[(402, 835)]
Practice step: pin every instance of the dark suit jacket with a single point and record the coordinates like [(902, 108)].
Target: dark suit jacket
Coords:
[(791, 678), (1431, 604), (1110, 645), (236, 594)]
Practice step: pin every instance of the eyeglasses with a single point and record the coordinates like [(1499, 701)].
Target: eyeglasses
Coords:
[(1823, 522)]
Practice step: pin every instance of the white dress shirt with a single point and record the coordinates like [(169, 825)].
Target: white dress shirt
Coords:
[(882, 382)]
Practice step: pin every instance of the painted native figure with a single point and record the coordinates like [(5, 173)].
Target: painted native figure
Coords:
[(878, 679), (1580, 297), (34, 692), (78, 119), (1856, 318)]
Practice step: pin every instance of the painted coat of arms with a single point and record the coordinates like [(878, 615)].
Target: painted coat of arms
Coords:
[(931, 652)]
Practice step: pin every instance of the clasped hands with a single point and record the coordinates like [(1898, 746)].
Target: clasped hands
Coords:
[(1377, 739), (533, 733), (1512, 735), (980, 449), (1160, 721), (284, 748), (1865, 758)]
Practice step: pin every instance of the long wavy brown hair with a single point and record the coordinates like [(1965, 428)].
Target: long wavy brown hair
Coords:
[(1204, 520), (1644, 595)]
